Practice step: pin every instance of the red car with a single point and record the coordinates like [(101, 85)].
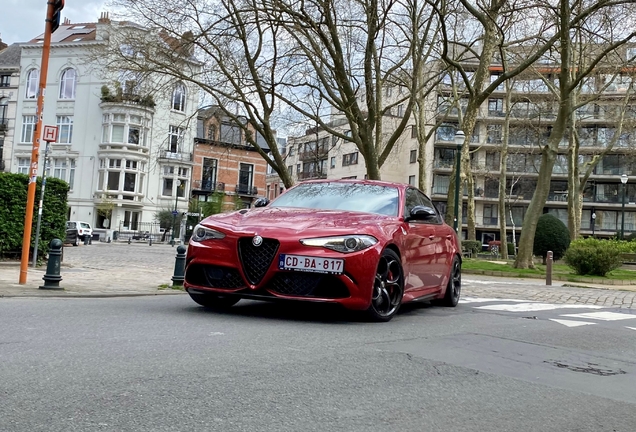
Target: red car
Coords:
[(367, 245)]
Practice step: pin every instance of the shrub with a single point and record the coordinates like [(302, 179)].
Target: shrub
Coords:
[(551, 235), (474, 246), (13, 193), (592, 256), (511, 249)]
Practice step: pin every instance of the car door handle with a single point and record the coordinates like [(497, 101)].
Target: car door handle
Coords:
[(448, 237), (431, 237)]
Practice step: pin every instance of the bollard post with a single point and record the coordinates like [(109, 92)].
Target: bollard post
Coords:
[(179, 266), (52, 276), (86, 239), (548, 269), (129, 239), (150, 240)]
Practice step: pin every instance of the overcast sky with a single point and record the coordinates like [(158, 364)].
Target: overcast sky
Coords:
[(23, 20)]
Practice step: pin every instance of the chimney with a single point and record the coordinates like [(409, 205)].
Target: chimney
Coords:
[(67, 21), (2, 44), (103, 18)]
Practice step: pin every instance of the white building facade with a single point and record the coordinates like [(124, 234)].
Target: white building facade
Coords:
[(124, 148)]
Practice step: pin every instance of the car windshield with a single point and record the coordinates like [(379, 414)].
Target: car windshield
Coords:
[(368, 198)]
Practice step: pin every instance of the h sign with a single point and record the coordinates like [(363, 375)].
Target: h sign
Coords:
[(50, 133)]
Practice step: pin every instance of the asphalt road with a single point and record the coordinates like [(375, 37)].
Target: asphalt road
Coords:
[(166, 364)]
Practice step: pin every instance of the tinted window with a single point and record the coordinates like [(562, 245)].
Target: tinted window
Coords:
[(342, 196)]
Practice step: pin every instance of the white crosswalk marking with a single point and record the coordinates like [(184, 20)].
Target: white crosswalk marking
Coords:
[(571, 323), (533, 307), (631, 328), (603, 316)]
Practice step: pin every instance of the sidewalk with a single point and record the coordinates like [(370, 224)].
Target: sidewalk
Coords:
[(120, 269)]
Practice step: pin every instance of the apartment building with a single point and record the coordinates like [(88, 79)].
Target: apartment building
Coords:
[(319, 154), (532, 111), (9, 83), (122, 145), (225, 162)]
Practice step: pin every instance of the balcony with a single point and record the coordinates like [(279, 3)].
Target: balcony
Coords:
[(313, 155), (309, 175), (182, 157), (243, 189), (207, 185)]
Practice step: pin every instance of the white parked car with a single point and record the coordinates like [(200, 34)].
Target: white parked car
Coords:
[(84, 229)]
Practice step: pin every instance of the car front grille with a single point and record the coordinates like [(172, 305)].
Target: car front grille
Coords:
[(308, 285), (256, 259)]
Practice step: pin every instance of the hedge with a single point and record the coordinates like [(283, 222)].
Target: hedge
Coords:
[(13, 193)]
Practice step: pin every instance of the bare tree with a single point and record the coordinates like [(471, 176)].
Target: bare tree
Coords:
[(278, 63)]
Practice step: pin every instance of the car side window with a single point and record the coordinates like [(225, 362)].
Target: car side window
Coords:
[(412, 200), (428, 203)]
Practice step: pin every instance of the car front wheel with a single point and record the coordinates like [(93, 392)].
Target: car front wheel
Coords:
[(388, 287), (454, 287), (215, 301)]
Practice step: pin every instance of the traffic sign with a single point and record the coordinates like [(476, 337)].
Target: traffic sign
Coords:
[(50, 133), (175, 213)]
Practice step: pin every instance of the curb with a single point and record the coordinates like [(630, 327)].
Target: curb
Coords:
[(63, 294)]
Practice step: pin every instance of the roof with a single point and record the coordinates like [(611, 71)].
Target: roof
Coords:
[(10, 57), (76, 32)]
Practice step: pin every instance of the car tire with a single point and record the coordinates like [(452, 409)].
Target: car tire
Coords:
[(215, 301), (388, 288), (76, 242), (454, 287)]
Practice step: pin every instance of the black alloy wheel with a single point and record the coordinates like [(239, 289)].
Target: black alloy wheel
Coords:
[(388, 287), (215, 301), (454, 287)]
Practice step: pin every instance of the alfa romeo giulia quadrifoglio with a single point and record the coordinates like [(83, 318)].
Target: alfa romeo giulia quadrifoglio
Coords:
[(366, 245)]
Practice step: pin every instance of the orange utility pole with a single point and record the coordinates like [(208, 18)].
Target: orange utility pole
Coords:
[(52, 23)]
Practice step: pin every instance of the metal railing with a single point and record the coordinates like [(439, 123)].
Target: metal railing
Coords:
[(165, 154), (243, 189), (207, 185)]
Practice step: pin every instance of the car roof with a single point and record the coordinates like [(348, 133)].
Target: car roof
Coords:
[(359, 181)]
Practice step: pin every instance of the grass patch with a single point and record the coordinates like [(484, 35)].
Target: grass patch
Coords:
[(558, 270)]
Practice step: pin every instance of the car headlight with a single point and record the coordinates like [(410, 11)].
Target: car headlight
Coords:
[(344, 244), (201, 233)]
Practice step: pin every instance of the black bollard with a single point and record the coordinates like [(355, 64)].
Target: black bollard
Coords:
[(150, 241), (86, 240), (179, 266), (52, 276), (129, 239)]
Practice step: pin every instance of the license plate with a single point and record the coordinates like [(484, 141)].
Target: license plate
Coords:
[(311, 264)]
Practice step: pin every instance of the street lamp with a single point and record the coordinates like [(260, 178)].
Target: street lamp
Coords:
[(175, 212), (624, 181), (593, 222), (459, 141)]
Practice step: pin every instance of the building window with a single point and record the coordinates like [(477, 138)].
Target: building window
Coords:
[(333, 162), (413, 131), (208, 177), (23, 165), (4, 110), (490, 214), (230, 133), (495, 107), (350, 159), (413, 156), (63, 169), (291, 150), (65, 129), (493, 134), (67, 84), (297, 168), (5, 80), (246, 178), (178, 97), (400, 110), (131, 220), (412, 180), (175, 137), (212, 132), (167, 186), (32, 84), (28, 126), (446, 132)]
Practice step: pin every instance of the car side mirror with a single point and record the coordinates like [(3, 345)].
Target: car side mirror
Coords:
[(261, 202), (422, 213)]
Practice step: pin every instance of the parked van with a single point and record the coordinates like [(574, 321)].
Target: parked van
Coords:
[(84, 229)]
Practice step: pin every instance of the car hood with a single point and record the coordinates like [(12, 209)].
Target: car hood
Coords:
[(295, 220)]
